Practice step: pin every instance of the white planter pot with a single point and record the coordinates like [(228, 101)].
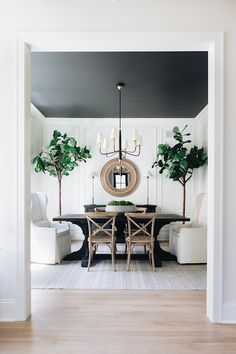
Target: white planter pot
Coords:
[(121, 208)]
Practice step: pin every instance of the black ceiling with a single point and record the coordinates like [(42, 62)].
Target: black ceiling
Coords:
[(158, 84)]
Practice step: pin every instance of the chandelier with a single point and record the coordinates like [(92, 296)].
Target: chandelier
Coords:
[(119, 146)]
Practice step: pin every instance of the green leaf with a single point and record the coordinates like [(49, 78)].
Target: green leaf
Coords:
[(184, 165), (71, 142), (65, 148), (176, 130), (66, 160), (52, 143), (56, 134), (155, 164), (50, 168)]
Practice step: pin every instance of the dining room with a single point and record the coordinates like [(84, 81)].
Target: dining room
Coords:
[(122, 133)]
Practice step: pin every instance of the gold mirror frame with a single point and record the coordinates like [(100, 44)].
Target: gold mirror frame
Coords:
[(104, 177)]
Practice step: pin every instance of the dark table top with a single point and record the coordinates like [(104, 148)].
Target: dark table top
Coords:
[(160, 216)]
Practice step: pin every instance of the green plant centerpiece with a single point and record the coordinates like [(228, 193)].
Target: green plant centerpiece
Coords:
[(60, 157), (119, 202), (120, 206), (178, 161)]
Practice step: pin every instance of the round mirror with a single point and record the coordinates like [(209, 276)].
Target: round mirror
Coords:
[(119, 178)]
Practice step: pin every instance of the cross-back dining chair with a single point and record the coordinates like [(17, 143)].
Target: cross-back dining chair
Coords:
[(140, 233), (139, 210), (102, 230)]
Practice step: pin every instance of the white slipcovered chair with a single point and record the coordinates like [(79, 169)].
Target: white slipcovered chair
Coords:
[(50, 242), (188, 242)]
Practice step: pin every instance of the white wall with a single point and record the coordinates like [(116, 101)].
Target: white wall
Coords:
[(108, 16), (77, 188), (8, 175)]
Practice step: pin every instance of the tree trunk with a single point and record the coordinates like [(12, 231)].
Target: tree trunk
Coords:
[(59, 197), (184, 199)]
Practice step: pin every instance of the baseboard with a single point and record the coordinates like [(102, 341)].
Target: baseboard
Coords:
[(229, 312), (7, 310)]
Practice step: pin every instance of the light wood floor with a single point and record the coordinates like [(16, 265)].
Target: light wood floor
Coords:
[(117, 321)]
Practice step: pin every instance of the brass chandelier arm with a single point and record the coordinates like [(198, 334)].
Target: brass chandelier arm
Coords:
[(123, 152), (108, 154), (132, 153)]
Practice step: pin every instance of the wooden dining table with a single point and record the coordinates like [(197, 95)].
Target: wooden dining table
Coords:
[(82, 254)]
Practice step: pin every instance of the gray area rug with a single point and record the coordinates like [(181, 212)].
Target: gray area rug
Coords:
[(70, 275)]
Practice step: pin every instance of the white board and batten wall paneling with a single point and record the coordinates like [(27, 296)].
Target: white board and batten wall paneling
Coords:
[(77, 188), (37, 123), (200, 139)]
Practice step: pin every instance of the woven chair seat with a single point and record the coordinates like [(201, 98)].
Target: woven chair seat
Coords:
[(139, 239), (100, 238)]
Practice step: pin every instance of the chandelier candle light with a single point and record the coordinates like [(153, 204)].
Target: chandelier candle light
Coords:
[(118, 146)]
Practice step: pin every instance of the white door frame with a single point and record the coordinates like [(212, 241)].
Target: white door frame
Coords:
[(122, 41)]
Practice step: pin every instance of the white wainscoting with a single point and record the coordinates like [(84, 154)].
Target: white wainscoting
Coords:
[(37, 123), (77, 188)]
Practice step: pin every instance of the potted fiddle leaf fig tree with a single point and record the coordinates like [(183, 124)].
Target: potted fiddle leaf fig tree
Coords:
[(178, 161), (60, 157)]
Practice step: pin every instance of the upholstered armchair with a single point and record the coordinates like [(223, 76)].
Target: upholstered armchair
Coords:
[(188, 242), (50, 242)]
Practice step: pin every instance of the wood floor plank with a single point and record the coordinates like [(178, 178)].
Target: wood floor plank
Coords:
[(117, 322)]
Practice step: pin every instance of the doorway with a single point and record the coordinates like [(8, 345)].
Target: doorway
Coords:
[(213, 43)]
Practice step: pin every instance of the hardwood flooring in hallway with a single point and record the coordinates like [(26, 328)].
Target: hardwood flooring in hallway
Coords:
[(117, 322)]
